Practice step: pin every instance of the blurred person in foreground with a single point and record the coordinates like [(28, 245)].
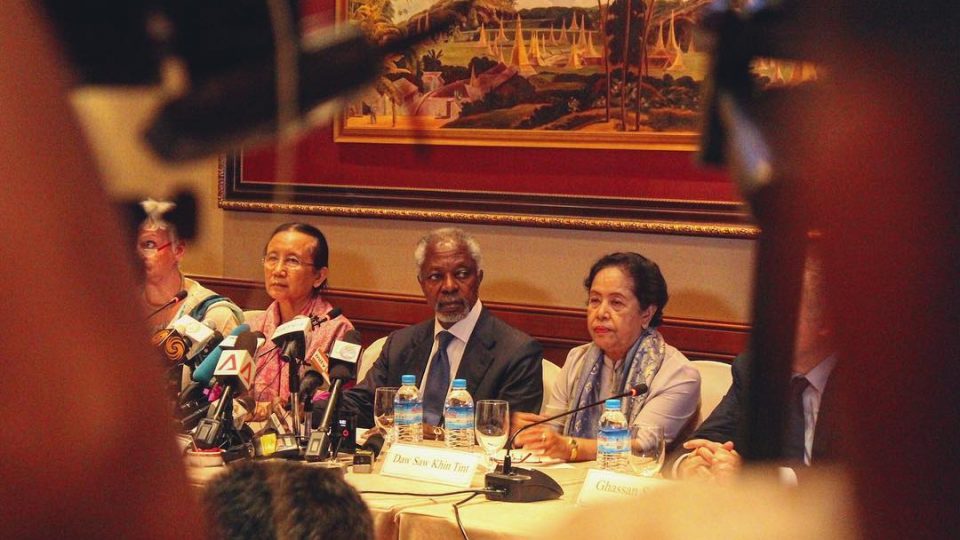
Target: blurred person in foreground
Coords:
[(110, 468), (810, 432), (295, 271), (463, 340), (160, 250), (626, 294), (279, 499)]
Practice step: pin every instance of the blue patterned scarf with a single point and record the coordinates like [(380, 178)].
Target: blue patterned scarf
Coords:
[(643, 361)]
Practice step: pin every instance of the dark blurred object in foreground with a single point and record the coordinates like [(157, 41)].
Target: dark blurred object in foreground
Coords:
[(870, 159)]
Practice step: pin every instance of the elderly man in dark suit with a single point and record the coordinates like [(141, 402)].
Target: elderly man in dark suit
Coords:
[(463, 340)]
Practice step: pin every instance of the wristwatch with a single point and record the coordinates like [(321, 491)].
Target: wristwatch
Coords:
[(572, 443)]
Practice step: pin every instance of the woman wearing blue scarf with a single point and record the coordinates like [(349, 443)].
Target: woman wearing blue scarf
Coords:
[(626, 296)]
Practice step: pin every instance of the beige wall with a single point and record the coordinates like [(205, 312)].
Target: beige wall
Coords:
[(708, 278)]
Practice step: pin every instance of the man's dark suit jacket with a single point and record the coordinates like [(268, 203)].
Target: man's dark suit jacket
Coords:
[(499, 362), (723, 424)]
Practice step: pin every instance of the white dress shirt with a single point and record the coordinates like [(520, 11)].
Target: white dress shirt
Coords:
[(461, 331)]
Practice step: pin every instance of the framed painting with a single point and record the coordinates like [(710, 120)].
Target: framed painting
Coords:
[(661, 192), (577, 174), (559, 73)]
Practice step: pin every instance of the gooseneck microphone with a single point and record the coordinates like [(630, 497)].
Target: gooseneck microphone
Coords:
[(526, 485), (635, 391), (176, 298)]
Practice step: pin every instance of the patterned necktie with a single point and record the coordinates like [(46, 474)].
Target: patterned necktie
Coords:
[(794, 443), (438, 381)]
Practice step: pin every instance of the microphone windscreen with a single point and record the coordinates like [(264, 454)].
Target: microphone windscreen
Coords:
[(352, 336), (334, 313), (180, 296), (374, 443), (204, 372), (340, 370), (247, 341), (638, 389)]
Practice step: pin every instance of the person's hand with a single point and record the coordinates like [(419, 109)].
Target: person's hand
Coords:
[(543, 440), (519, 420), (719, 461), (432, 432)]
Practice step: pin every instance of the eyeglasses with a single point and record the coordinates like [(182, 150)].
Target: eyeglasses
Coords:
[(290, 262), (148, 249)]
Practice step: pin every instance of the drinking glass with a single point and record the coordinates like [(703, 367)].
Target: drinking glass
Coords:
[(492, 426), (383, 412), (646, 449)]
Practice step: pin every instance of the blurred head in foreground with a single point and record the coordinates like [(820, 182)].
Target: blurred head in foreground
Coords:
[(282, 500)]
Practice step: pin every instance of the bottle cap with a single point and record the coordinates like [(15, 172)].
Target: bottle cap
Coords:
[(460, 384), (612, 405), (408, 380)]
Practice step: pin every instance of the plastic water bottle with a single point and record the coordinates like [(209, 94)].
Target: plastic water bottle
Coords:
[(408, 411), (613, 438), (458, 416)]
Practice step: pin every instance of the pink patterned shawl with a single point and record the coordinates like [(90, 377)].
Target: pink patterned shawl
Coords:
[(273, 376)]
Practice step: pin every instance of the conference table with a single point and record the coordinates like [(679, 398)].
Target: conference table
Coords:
[(432, 517)]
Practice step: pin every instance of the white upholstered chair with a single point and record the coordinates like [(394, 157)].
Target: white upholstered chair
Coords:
[(368, 357), (550, 373), (248, 313), (715, 380)]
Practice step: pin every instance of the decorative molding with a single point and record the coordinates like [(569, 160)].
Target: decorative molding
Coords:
[(558, 329), (654, 216)]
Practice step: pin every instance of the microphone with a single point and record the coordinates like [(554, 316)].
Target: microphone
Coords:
[(343, 362), (527, 485), (203, 374), (329, 316), (196, 334), (239, 105), (172, 345), (374, 443), (235, 369), (176, 298), (291, 338)]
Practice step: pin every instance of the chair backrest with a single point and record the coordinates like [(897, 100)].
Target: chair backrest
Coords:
[(368, 357), (715, 380), (550, 373), (250, 313)]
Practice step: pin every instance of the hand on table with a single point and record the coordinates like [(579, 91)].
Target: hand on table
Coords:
[(542, 439), (710, 460)]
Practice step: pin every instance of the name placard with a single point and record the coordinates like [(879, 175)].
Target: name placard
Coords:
[(602, 485), (428, 464)]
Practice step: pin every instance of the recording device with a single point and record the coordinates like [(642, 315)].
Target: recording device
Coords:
[(203, 373), (363, 462), (176, 298), (343, 358), (235, 371), (512, 484), (192, 405)]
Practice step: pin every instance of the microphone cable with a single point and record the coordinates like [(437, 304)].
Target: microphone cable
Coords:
[(456, 506)]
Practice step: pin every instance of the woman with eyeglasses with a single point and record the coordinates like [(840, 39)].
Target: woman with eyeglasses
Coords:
[(160, 250), (295, 268), (626, 294)]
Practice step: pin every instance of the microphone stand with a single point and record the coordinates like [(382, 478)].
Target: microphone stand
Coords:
[(529, 485), (291, 353)]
